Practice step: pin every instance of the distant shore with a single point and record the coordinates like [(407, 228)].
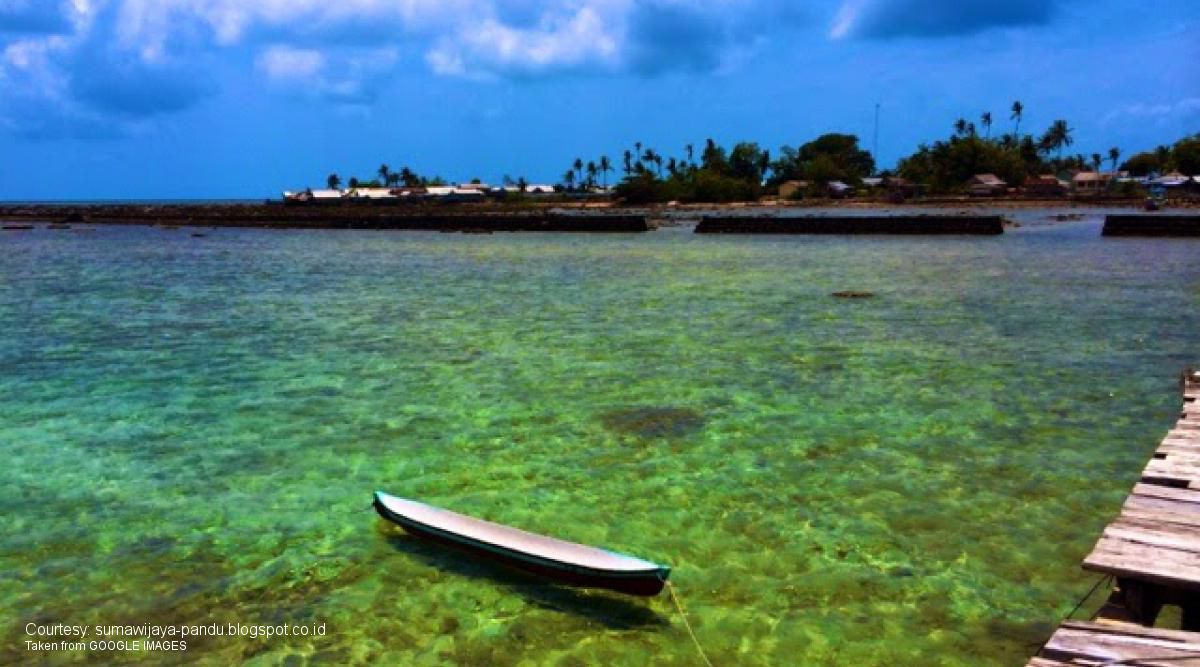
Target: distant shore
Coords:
[(540, 215)]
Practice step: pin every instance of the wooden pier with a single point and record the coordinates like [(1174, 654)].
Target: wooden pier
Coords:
[(1152, 550)]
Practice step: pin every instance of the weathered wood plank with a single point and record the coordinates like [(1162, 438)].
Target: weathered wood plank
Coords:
[(1160, 509), (1187, 638), (1170, 567), (1183, 472), (1094, 643), (1156, 534), (1161, 492)]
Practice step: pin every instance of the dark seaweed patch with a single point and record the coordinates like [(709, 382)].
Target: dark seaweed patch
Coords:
[(653, 422)]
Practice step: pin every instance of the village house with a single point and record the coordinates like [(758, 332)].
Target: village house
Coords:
[(1044, 185), (792, 189), (986, 185), (371, 193), (1090, 182)]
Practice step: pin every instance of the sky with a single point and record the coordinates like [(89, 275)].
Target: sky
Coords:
[(146, 99)]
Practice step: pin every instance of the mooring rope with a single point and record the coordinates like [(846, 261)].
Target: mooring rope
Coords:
[(1107, 577), (1090, 593), (686, 624)]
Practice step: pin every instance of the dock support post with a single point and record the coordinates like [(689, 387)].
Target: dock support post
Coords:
[(1144, 601)]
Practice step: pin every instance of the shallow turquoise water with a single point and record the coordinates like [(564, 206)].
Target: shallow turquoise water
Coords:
[(193, 427)]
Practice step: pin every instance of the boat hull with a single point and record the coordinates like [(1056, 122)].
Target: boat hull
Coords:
[(632, 583)]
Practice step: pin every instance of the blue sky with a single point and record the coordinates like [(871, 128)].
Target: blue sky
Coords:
[(243, 98)]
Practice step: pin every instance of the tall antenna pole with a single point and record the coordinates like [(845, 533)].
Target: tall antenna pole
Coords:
[(875, 139)]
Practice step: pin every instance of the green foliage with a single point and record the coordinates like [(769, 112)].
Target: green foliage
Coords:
[(830, 157), (947, 165), (1142, 164), (1185, 155), (640, 188), (713, 158), (747, 162)]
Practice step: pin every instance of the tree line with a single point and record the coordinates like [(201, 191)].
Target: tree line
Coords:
[(746, 171)]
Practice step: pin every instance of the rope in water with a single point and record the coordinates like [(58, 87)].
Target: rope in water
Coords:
[(686, 624), (1099, 582)]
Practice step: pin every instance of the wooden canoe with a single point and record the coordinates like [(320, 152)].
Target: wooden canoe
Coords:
[(557, 560)]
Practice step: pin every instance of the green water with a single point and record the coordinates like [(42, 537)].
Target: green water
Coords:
[(192, 429)]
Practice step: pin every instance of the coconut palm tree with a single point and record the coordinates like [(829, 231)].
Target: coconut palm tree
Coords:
[(569, 179), (578, 165), (1114, 154), (385, 174), (637, 147), (591, 172), (986, 121), (1058, 136), (1017, 110), (605, 167), (960, 126), (409, 177), (690, 153), (333, 181), (1096, 160), (628, 156)]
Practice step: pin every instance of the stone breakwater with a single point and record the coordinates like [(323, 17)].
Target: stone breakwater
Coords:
[(846, 224), (324, 217), (1152, 224)]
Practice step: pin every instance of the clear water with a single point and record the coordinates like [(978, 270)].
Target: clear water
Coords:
[(192, 428)]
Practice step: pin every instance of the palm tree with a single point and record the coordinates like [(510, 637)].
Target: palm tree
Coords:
[(971, 129), (628, 162), (1058, 136), (1096, 160), (690, 151), (672, 167), (385, 174), (637, 147), (605, 167), (333, 181), (569, 179), (591, 172), (1114, 154), (960, 126), (986, 121), (409, 177), (1017, 110), (578, 169)]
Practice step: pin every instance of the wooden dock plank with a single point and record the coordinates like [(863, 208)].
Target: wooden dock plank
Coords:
[(1174, 471), (1160, 492), (1171, 567), (1160, 509), (1076, 643), (1156, 533)]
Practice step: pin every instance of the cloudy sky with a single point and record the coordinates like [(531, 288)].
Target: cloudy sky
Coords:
[(242, 98)]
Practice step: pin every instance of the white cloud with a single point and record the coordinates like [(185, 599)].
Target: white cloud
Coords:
[(1162, 113), (558, 42), (352, 77), (284, 63)]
